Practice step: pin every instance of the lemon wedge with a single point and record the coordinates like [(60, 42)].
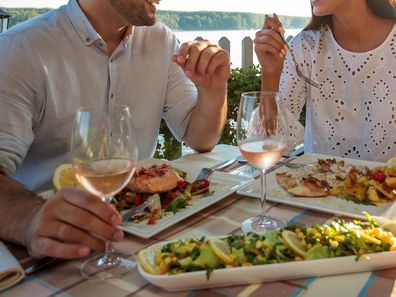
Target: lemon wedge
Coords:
[(389, 226), (391, 163), (146, 259), (294, 243), (221, 249), (64, 177)]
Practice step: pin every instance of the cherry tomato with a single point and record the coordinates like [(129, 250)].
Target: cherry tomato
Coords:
[(378, 175), (181, 184), (137, 200)]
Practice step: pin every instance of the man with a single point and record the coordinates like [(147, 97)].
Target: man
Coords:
[(91, 53)]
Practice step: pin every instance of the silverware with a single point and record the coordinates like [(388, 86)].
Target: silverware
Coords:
[(299, 73), (280, 164), (298, 165), (206, 172), (127, 214), (40, 264)]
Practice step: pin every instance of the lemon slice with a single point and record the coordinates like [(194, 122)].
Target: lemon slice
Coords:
[(64, 177), (294, 243), (146, 259), (221, 249), (391, 162), (389, 226)]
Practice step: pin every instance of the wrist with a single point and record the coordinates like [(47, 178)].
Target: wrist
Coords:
[(210, 93), (30, 224)]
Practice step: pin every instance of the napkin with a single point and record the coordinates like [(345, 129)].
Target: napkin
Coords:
[(10, 270)]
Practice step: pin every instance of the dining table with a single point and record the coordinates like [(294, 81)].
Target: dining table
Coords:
[(62, 277)]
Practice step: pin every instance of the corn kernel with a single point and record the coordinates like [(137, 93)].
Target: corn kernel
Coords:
[(333, 243), (259, 244), (167, 260)]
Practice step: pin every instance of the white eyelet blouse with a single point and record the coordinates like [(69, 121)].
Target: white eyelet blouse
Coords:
[(353, 112)]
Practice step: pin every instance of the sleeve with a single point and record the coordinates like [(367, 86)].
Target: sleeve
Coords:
[(181, 96), (293, 94), (18, 108)]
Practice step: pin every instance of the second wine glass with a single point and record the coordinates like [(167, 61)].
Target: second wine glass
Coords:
[(261, 134), (104, 154)]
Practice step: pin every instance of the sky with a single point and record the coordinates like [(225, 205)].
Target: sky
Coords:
[(282, 7)]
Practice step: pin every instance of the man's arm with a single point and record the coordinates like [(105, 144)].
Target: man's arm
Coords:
[(208, 67), (17, 208)]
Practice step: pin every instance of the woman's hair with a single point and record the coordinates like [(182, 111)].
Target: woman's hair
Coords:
[(385, 9)]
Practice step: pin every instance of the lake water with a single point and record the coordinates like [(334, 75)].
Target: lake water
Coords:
[(235, 37)]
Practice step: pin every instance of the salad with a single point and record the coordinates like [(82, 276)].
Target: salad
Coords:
[(292, 243)]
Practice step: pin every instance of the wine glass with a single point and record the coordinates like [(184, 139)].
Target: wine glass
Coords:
[(261, 135), (104, 155)]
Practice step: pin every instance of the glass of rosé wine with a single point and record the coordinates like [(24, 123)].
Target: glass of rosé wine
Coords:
[(104, 154), (262, 140)]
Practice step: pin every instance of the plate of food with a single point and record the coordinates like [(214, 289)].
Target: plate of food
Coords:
[(330, 184), (292, 252), (174, 194)]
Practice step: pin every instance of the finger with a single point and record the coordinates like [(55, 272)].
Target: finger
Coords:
[(93, 204), (70, 234), (194, 54), (275, 16), (272, 39), (205, 58), (272, 23), (49, 247), (85, 220), (261, 48), (220, 59), (181, 57)]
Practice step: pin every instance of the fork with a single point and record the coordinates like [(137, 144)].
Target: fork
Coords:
[(206, 172), (299, 73)]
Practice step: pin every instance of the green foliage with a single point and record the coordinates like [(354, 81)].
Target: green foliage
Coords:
[(240, 81), (187, 20), (19, 15)]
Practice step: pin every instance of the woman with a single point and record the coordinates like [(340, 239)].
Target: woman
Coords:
[(349, 47)]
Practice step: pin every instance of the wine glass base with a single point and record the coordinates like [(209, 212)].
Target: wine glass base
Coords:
[(260, 225), (102, 267)]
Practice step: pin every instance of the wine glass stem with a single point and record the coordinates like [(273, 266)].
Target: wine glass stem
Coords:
[(263, 193), (108, 244)]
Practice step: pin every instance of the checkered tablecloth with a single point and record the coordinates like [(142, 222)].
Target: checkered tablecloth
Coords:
[(222, 218)]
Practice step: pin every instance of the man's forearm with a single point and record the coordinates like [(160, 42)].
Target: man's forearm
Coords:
[(207, 120), (17, 207)]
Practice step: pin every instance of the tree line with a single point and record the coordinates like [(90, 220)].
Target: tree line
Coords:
[(187, 20)]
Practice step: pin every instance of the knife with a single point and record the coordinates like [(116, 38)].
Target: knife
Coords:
[(280, 164), (41, 263), (127, 214)]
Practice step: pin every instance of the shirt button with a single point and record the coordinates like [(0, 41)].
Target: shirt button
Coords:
[(112, 96), (111, 60), (87, 39)]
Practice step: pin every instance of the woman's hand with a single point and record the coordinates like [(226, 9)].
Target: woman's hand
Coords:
[(270, 47), (68, 225)]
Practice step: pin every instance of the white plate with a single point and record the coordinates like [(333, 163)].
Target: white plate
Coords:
[(330, 204), (223, 184), (271, 272)]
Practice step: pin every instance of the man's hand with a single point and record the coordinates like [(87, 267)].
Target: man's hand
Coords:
[(207, 65), (64, 226)]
